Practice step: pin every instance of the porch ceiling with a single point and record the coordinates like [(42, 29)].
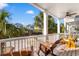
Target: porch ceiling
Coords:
[(58, 9)]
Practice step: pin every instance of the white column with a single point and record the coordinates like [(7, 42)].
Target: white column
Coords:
[(58, 26), (65, 26), (45, 29)]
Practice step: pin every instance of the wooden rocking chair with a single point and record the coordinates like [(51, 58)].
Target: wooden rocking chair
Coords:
[(47, 50)]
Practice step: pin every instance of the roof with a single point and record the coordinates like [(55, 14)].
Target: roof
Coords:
[(58, 9)]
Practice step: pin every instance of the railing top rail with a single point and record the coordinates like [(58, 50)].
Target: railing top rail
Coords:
[(25, 37)]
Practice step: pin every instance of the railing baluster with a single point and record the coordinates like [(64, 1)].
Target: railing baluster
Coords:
[(18, 45), (10, 44), (35, 42), (15, 44), (25, 43), (30, 42), (4, 47), (22, 44)]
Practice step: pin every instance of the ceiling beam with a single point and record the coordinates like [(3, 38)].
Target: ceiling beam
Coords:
[(38, 6), (42, 9)]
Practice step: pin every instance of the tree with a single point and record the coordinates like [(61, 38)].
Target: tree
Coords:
[(4, 15), (38, 25), (62, 28), (21, 29), (11, 30), (14, 30), (52, 26), (30, 28)]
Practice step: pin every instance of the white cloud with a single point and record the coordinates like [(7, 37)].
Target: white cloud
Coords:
[(30, 12), (3, 5)]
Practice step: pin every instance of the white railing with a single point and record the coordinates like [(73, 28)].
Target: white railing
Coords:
[(26, 42)]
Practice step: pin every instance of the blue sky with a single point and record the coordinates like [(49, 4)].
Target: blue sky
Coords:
[(23, 13)]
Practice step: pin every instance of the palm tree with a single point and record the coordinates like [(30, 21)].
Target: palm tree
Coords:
[(38, 24), (4, 15), (52, 26), (11, 29)]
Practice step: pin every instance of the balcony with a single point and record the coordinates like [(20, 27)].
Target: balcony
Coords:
[(30, 46), (28, 43)]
